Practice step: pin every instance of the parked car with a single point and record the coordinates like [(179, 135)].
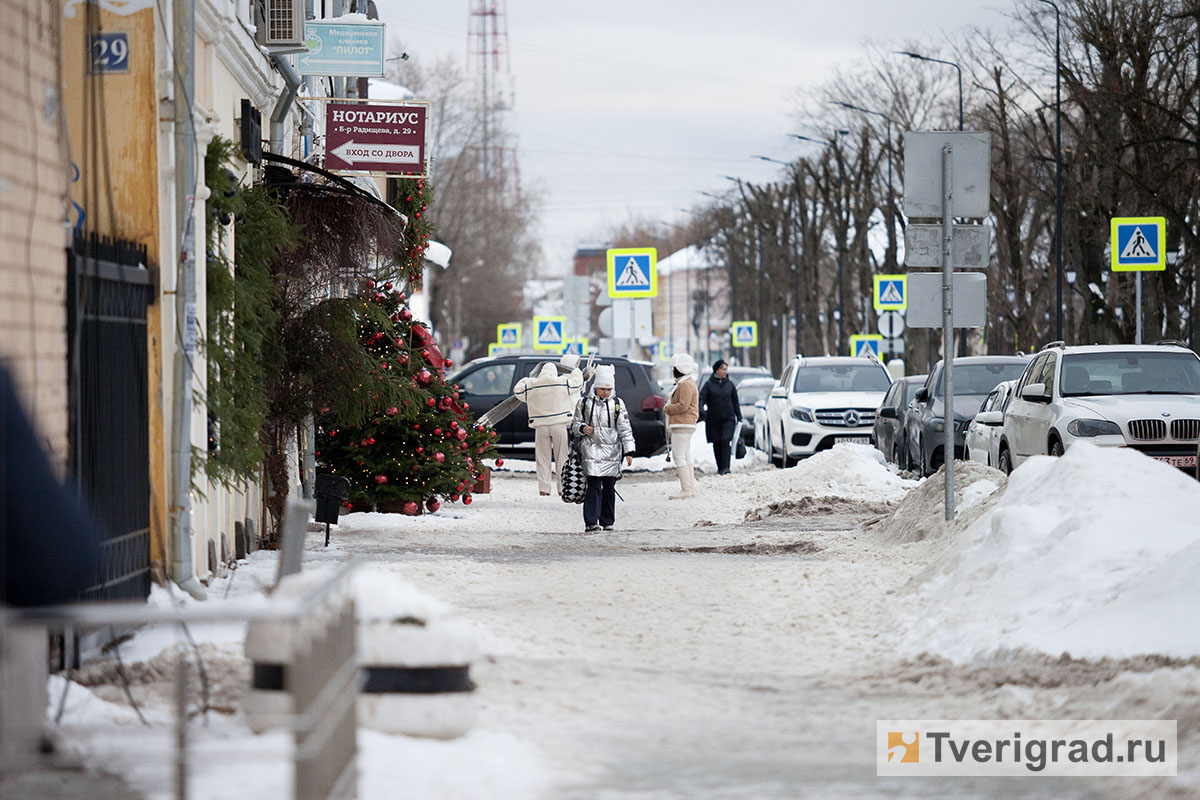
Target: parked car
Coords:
[(487, 381), (1146, 397), (820, 402), (888, 432), (752, 395), (974, 378), (982, 440)]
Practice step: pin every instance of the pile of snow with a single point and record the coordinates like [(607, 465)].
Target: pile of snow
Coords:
[(922, 515), (1095, 554), (851, 472)]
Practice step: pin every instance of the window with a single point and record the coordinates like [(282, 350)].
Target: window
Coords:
[(1130, 373), (981, 378), (489, 380), (842, 378), (1032, 372), (749, 394), (890, 400)]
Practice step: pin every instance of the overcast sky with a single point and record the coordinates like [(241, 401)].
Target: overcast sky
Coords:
[(631, 108)]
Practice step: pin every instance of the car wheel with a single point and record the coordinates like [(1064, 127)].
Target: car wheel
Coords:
[(895, 457), (902, 459), (1006, 461), (1056, 448), (966, 453)]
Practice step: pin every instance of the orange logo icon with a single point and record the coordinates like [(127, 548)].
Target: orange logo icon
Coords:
[(903, 747)]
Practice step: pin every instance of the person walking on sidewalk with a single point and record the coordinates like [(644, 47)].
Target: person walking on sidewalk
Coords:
[(721, 411), (682, 413), (550, 398), (603, 422)]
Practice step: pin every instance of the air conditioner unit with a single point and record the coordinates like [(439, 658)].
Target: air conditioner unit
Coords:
[(280, 25)]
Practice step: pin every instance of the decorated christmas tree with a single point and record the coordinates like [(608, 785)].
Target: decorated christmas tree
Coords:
[(412, 456)]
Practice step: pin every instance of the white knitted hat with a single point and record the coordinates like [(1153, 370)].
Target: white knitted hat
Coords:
[(684, 363), (606, 377)]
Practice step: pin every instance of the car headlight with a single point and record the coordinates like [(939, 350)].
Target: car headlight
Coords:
[(802, 414), (1093, 427), (937, 424)]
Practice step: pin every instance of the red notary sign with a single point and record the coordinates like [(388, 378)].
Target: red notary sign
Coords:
[(365, 137)]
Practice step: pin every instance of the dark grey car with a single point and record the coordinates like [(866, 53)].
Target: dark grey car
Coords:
[(974, 379), (888, 433)]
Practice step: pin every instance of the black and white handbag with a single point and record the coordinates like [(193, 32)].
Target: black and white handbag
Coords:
[(574, 481)]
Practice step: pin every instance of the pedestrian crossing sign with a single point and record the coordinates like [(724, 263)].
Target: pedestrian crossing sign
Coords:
[(548, 333), (508, 334), (891, 292), (497, 348), (577, 346), (744, 333), (632, 272), (862, 345), (1138, 244)]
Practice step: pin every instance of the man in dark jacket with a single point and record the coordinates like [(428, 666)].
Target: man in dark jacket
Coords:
[(720, 410)]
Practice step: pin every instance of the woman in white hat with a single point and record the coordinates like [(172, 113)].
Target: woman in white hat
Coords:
[(682, 414), (603, 424)]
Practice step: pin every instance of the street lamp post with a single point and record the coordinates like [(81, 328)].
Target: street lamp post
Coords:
[(920, 57), (890, 260), (1058, 191), (798, 182), (845, 224)]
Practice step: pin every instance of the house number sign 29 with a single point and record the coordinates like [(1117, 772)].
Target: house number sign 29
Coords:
[(108, 52)]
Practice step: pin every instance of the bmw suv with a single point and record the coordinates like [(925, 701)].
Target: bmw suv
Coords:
[(1146, 397), (820, 402)]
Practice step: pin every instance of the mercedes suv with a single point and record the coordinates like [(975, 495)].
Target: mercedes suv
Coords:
[(820, 402), (1146, 397)]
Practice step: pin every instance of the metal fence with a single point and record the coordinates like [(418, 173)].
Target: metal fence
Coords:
[(109, 288), (322, 677)]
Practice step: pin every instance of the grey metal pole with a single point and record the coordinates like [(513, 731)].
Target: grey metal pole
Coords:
[(180, 509), (1058, 193), (948, 325), (1138, 340)]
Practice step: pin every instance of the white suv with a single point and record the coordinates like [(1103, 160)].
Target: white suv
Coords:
[(820, 402), (1146, 397)]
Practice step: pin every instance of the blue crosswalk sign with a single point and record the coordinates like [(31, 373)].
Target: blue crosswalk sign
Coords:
[(1137, 243), (548, 332), (632, 272), (509, 334), (890, 292)]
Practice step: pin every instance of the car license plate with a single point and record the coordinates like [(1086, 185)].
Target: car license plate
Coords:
[(1177, 461), (866, 439)]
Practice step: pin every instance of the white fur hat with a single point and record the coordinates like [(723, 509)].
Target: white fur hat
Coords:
[(569, 360), (606, 377), (684, 363)]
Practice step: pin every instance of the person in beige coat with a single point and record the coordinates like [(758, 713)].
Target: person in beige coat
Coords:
[(550, 398), (682, 414)]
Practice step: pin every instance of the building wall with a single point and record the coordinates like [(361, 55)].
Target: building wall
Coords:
[(33, 183)]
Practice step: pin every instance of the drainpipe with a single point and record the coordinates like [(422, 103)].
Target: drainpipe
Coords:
[(180, 509), (284, 104)]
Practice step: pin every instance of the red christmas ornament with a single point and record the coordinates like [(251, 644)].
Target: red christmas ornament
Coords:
[(454, 423), (424, 377), (466, 406), (402, 359), (439, 457), (388, 286), (433, 505), (462, 434), (393, 411), (325, 410), (405, 314), (431, 402), (381, 479), (499, 462), (417, 426), (462, 446), (411, 508), (425, 354), (449, 364), (332, 434), (437, 431), (454, 498), (466, 499)]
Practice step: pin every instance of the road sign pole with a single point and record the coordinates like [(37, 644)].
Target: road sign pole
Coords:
[(1138, 340), (948, 324)]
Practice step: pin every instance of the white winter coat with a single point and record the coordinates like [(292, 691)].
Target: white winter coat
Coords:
[(611, 438), (550, 396)]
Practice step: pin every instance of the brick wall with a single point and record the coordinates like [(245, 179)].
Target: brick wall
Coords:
[(33, 179)]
